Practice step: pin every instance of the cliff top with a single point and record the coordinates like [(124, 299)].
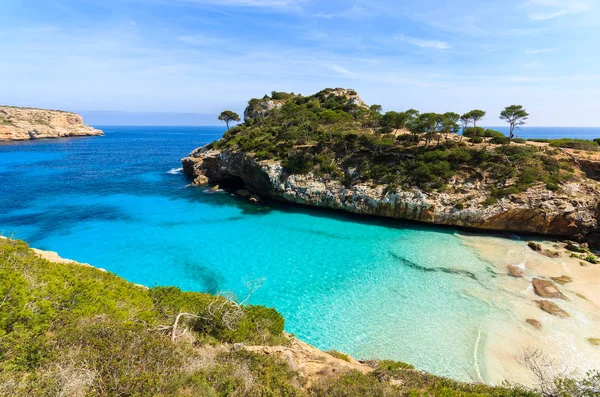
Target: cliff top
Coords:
[(335, 134)]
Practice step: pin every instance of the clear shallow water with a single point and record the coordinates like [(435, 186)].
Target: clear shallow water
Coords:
[(371, 288)]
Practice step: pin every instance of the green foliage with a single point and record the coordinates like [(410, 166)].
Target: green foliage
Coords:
[(56, 319), (580, 144), (473, 131), (515, 116), (228, 116), (339, 355)]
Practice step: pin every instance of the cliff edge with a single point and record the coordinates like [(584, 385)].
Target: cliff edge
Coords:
[(17, 124), (328, 151)]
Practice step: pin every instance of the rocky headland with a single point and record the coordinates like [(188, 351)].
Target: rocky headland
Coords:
[(17, 124), (522, 187)]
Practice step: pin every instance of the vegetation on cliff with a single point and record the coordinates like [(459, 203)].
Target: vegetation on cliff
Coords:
[(73, 330), (333, 134)]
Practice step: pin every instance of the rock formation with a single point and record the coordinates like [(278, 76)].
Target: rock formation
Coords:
[(571, 212), (26, 123)]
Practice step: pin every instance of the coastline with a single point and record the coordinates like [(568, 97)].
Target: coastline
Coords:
[(562, 341)]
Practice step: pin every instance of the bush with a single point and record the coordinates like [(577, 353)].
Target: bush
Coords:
[(472, 131), (519, 140), (499, 140), (476, 139), (493, 134), (580, 144)]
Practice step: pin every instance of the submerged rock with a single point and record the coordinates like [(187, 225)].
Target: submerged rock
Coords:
[(534, 246), (516, 270), (534, 323), (552, 308), (562, 280), (547, 289)]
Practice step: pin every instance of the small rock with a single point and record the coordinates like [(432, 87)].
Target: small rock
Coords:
[(546, 289), (594, 341), (534, 323), (551, 254), (562, 280), (552, 308), (254, 199), (200, 180), (515, 270), (576, 247), (534, 246), (215, 188), (243, 193)]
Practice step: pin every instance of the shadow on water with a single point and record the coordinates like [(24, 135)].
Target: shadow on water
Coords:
[(209, 279), (58, 220)]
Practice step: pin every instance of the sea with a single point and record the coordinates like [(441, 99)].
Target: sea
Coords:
[(372, 288)]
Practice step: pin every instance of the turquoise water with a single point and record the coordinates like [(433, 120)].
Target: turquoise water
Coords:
[(371, 288)]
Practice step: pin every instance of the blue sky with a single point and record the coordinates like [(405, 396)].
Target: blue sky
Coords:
[(202, 56)]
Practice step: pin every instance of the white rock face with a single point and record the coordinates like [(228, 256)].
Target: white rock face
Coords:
[(571, 212), (26, 123)]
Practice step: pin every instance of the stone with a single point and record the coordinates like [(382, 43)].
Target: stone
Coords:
[(552, 308), (562, 280), (516, 270), (551, 254), (243, 193), (215, 188), (254, 199), (594, 341), (547, 289), (200, 180), (534, 246), (534, 323), (576, 247)]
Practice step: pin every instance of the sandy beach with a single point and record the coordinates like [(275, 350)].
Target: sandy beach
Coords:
[(562, 343)]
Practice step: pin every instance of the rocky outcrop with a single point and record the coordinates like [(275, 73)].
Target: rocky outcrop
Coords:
[(572, 211), (26, 123), (552, 308)]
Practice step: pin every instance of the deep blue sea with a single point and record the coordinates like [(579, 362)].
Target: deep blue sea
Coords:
[(371, 288)]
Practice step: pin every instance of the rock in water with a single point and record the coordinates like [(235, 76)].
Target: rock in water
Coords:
[(243, 193), (534, 323), (254, 199), (534, 246), (562, 280), (17, 124), (547, 289), (552, 308), (515, 270)]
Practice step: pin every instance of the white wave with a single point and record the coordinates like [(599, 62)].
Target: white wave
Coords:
[(175, 171)]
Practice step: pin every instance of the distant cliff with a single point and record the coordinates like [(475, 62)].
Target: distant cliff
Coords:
[(17, 124)]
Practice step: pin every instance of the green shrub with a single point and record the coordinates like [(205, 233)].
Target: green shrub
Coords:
[(519, 140), (472, 132), (580, 144), (476, 139)]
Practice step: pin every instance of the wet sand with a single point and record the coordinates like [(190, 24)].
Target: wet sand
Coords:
[(563, 341)]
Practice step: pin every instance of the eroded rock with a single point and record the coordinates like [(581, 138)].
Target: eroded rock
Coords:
[(516, 270), (534, 323)]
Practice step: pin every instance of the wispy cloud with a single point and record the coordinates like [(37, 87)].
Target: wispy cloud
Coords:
[(534, 51), (249, 3), (434, 44), (340, 69), (356, 12), (549, 9), (200, 40)]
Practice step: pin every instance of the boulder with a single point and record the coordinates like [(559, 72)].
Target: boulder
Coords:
[(562, 280), (594, 341), (576, 247), (215, 188), (515, 270), (552, 308), (243, 193), (551, 254), (534, 323), (547, 289), (534, 246)]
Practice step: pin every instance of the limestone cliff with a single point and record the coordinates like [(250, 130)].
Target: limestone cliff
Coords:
[(27, 123), (571, 212)]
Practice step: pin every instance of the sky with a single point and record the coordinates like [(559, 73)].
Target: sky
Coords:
[(119, 60)]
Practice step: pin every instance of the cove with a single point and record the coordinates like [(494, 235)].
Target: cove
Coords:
[(370, 288)]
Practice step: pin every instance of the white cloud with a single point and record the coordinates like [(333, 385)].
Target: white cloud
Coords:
[(535, 51), (356, 12), (200, 40), (435, 44), (340, 69), (549, 9), (249, 3)]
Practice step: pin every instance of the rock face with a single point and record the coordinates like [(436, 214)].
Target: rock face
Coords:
[(570, 212), (26, 123)]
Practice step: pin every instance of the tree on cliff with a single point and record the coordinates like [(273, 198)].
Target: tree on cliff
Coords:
[(475, 116), (515, 116), (228, 116)]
